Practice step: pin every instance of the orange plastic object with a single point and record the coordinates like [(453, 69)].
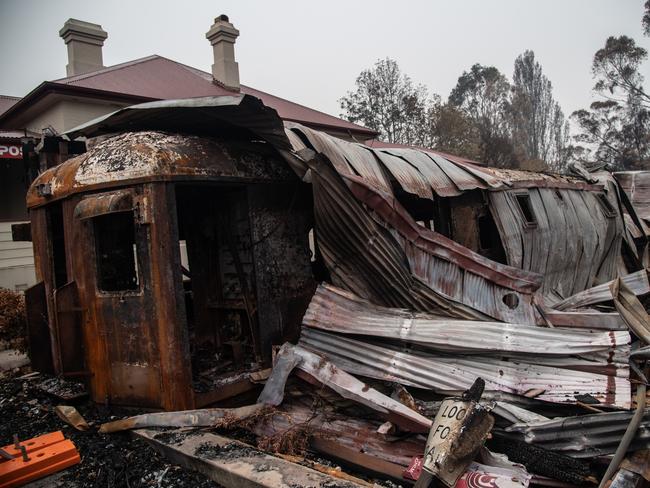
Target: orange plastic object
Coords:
[(47, 454)]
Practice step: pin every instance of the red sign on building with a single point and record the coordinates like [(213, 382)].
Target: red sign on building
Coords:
[(11, 151)]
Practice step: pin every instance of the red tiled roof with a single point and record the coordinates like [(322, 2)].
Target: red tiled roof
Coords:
[(6, 102), (156, 77)]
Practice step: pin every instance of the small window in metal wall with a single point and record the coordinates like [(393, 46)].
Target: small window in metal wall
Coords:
[(116, 252), (526, 209)]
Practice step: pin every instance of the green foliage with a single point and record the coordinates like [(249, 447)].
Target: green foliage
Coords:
[(616, 68), (387, 101), (616, 129), (538, 124), (482, 94)]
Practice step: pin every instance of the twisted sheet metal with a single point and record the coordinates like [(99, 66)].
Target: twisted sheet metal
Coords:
[(436, 178), (574, 242), (452, 374), (336, 310), (638, 282), (585, 436), (349, 158), (571, 225), (372, 246), (409, 177)]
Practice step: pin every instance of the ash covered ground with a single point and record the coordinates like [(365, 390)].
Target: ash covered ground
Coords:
[(107, 460)]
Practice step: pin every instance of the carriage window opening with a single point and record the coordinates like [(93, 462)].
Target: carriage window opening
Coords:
[(523, 200), (116, 251)]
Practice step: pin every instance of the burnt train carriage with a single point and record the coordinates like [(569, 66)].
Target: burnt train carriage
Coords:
[(164, 256), (170, 263)]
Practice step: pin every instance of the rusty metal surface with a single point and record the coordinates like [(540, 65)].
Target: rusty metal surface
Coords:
[(349, 387), (418, 170), (585, 319), (335, 310), (436, 263), (638, 282), (365, 241), (408, 176), (450, 374), (437, 179), (119, 201), (573, 242), (136, 157), (38, 330), (200, 115), (585, 436), (362, 255), (347, 157)]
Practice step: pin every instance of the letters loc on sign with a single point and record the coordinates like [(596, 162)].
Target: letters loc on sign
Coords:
[(451, 414)]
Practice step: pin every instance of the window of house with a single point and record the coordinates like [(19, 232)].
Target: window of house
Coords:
[(115, 248), (526, 208)]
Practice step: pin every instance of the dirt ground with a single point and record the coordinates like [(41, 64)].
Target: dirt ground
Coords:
[(110, 460)]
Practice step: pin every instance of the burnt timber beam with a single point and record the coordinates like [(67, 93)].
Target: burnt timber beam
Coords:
[(249, 468)]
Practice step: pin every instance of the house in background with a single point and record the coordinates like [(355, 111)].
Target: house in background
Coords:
[(16, 258), (91, 90)]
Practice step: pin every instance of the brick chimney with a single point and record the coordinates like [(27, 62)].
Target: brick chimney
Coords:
[(84, 41), (222, 35)]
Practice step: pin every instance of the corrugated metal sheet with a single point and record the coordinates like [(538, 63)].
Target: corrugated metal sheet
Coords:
[(407, 175), (335, 310), (348, 158), (372, 246), (446, 374), (351, 388), (574, 241), (437, 179), (586, 436), (638, 282), (637, 185)]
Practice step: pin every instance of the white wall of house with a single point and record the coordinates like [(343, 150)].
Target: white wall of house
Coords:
[(68, 113), (17, 270), (16, 261)]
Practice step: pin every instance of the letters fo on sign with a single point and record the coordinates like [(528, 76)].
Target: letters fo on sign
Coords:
[(448, 420), (11, 151)]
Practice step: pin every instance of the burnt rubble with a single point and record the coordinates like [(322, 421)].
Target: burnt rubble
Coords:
[(286, 299)]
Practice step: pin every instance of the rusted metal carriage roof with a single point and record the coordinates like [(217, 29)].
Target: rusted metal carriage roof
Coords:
[(439, 272), (418, 171), (136, 157)]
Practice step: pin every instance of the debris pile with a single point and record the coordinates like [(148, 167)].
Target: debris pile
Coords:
[(473, 326)]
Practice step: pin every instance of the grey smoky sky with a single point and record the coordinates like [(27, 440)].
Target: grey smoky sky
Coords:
[(311, 52)]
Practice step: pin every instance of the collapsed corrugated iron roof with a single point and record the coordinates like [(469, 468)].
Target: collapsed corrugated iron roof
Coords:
[(411, 302), (408, 265)]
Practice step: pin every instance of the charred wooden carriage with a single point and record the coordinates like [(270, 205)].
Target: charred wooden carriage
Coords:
[(165, 256)]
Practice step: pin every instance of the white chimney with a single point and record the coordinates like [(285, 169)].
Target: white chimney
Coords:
[(84, 41), (222, 35)]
